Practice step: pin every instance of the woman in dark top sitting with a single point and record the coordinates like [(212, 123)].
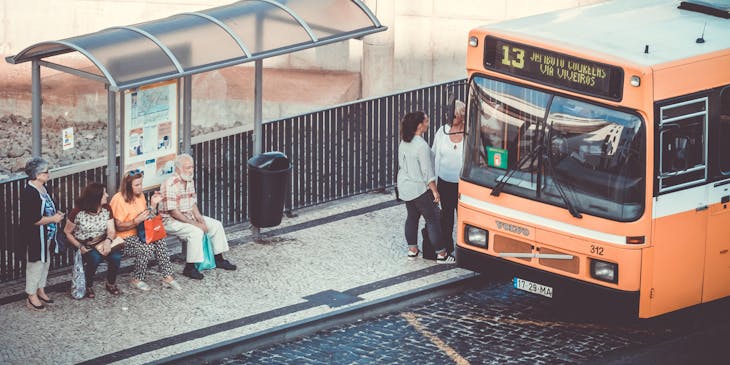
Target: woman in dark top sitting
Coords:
[(90, 227), (38, 226)]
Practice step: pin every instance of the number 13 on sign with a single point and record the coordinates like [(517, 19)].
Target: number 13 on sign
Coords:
[(513, 56)]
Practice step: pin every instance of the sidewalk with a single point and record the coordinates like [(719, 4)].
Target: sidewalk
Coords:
[(329, 257)]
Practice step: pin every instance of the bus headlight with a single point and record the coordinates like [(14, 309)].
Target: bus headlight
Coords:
[(605, 271), (476, 236)]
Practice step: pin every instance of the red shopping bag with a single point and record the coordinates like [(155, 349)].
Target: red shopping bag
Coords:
[(151, 230)]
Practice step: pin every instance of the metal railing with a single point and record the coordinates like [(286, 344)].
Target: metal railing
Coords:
[(335, 153)]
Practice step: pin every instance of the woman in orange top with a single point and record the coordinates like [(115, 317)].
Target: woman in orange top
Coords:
[(129, 206)]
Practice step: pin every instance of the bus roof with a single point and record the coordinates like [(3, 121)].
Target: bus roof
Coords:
[(623, 28)]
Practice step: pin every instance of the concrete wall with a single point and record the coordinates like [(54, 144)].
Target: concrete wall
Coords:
[(425, 44), (430, 36)]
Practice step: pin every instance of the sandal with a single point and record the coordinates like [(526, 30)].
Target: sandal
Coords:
[(112, 288), (141, 285), (413, 254), (39, 308), (90, 293)]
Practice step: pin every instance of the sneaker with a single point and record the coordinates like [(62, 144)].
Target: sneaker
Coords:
[(225, 265), (192, 272), (141, 285), (172, 284), (445, 258), (413, 254)]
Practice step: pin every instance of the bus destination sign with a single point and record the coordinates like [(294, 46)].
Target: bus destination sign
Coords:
[(553, 68)]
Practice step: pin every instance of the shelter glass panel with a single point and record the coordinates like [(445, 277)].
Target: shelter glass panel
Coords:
[(189, 38), (330, 17), (261, 26), (132, 57)]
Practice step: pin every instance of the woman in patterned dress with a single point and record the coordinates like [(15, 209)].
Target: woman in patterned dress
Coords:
[(38, 226), (130, 209), (90, 227)]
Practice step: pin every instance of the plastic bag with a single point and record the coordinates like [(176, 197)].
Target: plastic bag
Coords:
[(78, 280), (208, 256)]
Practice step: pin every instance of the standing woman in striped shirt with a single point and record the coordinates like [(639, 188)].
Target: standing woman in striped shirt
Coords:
[(39, 222)]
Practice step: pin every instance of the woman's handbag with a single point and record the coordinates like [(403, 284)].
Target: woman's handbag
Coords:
[(429, 253), (151, 229), (114, 244), (78, 280), (208, 256), (93, 241)]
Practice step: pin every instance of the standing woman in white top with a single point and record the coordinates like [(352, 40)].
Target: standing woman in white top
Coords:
[(417, 185), (448, 148)]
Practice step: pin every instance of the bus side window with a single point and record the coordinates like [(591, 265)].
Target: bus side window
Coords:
[(682, 148), (724, 141)]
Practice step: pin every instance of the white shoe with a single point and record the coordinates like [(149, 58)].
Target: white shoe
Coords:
[(141, 285), (445, 258), (172, 284)]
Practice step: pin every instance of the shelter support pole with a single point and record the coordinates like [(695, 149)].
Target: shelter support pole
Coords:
[(257, 108), (187, 113), (378, 60), (257, 117), (111, 152), (36, 108)]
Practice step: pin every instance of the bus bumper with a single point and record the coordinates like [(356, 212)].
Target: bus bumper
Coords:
[(565, 290)]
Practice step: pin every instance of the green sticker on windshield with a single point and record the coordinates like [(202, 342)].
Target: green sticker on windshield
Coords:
[(496, 157)]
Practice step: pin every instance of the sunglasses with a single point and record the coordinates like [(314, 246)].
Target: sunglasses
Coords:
[(136, 172)]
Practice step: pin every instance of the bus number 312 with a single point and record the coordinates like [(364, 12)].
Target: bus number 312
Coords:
[(514, 57)]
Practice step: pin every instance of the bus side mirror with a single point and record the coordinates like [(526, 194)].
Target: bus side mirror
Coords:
[(449, 112)]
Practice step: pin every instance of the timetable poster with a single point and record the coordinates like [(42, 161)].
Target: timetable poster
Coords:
[(150, 131)]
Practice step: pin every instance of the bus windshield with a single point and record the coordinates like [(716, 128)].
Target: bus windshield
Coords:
[(550, 148)]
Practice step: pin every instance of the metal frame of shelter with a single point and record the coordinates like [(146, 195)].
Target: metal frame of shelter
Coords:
[(177, 47)]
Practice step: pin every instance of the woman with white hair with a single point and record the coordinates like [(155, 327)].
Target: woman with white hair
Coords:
[(448, 151), (39, 222)]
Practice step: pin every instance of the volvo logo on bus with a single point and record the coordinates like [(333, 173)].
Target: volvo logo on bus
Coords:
[(513, 228)]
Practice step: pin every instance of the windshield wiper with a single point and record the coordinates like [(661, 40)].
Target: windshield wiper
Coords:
[(558, 185), (541, 141), (530, 157)]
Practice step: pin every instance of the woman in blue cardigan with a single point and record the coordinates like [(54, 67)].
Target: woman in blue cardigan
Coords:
[(39, 222)]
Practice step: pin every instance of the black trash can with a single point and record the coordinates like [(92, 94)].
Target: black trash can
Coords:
[(268, 175)]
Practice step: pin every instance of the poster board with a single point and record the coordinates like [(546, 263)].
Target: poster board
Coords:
[(150, 140)]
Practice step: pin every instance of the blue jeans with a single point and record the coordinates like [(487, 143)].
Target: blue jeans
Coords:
[(93, 258), (424, 206)]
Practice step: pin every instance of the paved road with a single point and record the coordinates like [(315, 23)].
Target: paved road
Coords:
[(494, 324)]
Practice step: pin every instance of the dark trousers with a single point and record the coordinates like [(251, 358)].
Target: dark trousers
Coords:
[(449, 193), (93, 258), (424, 206)]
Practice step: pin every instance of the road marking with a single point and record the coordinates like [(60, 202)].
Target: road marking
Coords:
[(450, 352), (540, 323)]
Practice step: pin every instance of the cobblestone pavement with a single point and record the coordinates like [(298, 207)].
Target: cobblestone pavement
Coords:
[(494, 324), (301, 269)]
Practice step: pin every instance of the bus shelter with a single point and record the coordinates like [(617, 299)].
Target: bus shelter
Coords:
[(148, 66)]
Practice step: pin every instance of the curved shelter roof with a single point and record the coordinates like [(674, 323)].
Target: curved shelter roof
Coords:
[(195, 42)]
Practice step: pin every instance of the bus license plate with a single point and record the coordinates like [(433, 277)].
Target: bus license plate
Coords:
[(531, 287)]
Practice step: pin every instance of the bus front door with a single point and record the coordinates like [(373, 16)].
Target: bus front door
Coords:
[(717, 257)]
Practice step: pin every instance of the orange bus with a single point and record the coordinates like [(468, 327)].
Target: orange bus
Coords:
[(597, 154)]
